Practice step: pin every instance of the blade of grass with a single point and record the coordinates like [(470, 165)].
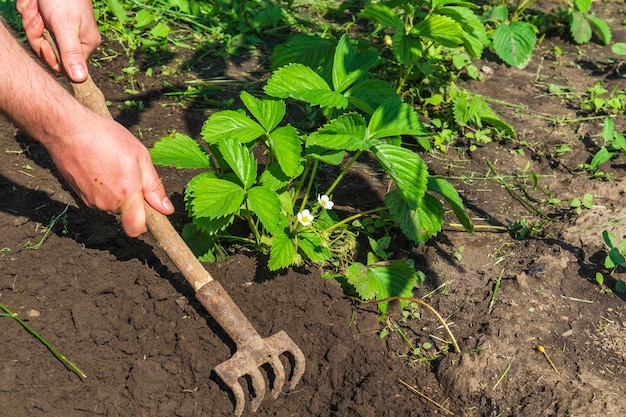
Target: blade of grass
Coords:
[(9, 313)]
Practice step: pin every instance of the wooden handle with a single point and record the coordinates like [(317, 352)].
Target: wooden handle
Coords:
[(88, 93)]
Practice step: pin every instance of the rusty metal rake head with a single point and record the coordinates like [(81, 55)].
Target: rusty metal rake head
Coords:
[(255, 353)]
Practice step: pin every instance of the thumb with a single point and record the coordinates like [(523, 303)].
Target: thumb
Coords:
[(154, 193), (72, 55)]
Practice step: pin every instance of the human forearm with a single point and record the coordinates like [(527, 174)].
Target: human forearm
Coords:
[(31, 98), (103, 162)]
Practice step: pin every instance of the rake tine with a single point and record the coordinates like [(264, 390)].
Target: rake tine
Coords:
[(258, 385), (279, 375), (281, 343)]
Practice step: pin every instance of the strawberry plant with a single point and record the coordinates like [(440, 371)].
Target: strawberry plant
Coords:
[(264, 171)]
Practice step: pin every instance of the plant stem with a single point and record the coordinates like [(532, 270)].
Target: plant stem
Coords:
[(298, 185), (343, 172), (518, 197), (47, 344), (309, 185), (354, 217), (425, 304)]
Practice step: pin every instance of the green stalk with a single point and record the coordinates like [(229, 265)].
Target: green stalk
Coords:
[(298, 185), (354, 217), (47, 344), (309, 185), (343, 173)]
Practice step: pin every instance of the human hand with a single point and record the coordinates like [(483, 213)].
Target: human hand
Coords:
[(111, 170), (73, 24)]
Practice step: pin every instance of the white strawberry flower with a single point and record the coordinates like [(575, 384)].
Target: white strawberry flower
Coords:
[(305, 217), (325, 201)]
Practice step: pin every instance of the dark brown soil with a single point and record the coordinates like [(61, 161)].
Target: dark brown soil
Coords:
[(121, 311)]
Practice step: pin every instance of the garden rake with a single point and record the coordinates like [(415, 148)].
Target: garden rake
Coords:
[(253, 351)]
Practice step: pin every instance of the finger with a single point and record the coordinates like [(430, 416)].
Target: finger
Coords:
[(133, 216), (72, 55), (48, 54), (33, 24), (154, 192)]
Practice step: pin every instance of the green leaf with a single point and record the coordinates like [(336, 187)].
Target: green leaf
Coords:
[(266, 206), (350, 64), (579, 27), (407, 49), (614, 259), (118, 10), (214, 225), (420, 224), (311, 244), (303, 49), (160, 31), (476, 36), (273, 177), (180, 151), (240, 160), (368, 95), (200, 243), (294, 81), (286, 147), (382, 281), (609, 239), (582, 5), (608, 129), (214, 197), (330, 157), (383, 15), (394, 118), (514, 43), (619, 48), (407, 170), (499, 124), (144, 18), (269, 112), (449, 193), (231, 124), (600, 157), (604, 32), (441, 29), (282, 252), (346, 132)]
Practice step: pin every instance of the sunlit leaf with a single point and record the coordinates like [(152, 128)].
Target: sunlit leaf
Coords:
[(294, 81), (449, 193), (287, 149), (579, 27), (383, 15), (180, 151), (441, 29), (407, 170), (268, 112), (214, 197), (379, 281), (394, 118), (346, 132), (420, 224), (604, 32), (350, 64), (514, 43), (300, 48), (240, 160), (312, 246), (282, 252), (266, 206), (231, 124), (368, 95)]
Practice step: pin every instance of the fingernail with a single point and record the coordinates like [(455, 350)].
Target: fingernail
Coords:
[(167, 204), (78, 72)]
